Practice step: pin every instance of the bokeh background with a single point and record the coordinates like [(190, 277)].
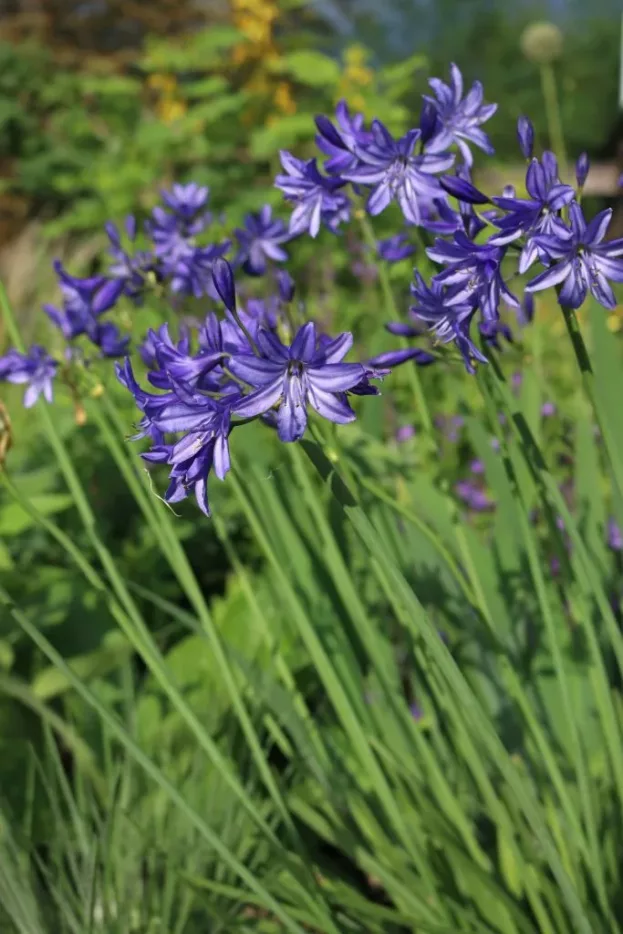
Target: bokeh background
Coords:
[(102, 102)]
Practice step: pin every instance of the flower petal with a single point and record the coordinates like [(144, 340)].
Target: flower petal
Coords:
[(335, 377), (256, 371), (332, 407), (292, 414), (259, 401)]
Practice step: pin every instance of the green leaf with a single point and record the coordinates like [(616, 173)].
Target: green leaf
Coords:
[(309, 67), (14, 519), (281, 135)]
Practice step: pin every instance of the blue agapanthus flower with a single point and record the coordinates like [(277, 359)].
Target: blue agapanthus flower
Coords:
[(317, 199), (261, 240), (396, 171), (131, 269), (448, 314), (539, 214), (395, 248), (239, 370), (341, 143), (459, 118), (173, 230), (84, 300), (36, 368), (295, 376), (581, 261), (474, 270)]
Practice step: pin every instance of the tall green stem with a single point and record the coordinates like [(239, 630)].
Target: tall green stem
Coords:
[(392, 314), (552, 112)]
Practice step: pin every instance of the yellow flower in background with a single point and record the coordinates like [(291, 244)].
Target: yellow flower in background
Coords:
[(169, 105), (284, 102), (356, 76)]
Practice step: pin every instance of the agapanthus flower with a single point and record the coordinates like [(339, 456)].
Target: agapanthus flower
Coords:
[(581, 262), (615, 538), (36, 368), (539, 214), (341, 143), (396, 172), (260, 240), (176, 365), (173, 231), (132, 269), (317, 199), (473, 496), (204, 424), (109, 339), (474, 270), (459, 118), (395, 248), (84, 300), (448, 315), (295, 376), (188, 203)]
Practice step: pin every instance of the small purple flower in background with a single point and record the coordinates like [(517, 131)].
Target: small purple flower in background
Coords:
[(395, 172), (404, 433), (477, 467), (36, 368), (173, 231), (108, 338), (473, 496), (615, 538), (459, 118), (548, 409), (395, 248), (188, 203), (516, 380), (416, 711), (84, 300), (581, 262), (260, 240), (131, 269), (293, 377), (316, 198)]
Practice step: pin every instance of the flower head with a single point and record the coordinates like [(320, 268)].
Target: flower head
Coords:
[(260, 240), (84, 300), (295, 376), (581, 261), (459, 118), (535, 215), (395, 248), (36, 368), (447, 315), (474, 270), (316, 198), (341, 143), (131, 269), (396, 172)]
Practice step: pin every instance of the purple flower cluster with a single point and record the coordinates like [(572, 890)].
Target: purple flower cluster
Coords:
[(240, 370), (404, 169), (171, 258)]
